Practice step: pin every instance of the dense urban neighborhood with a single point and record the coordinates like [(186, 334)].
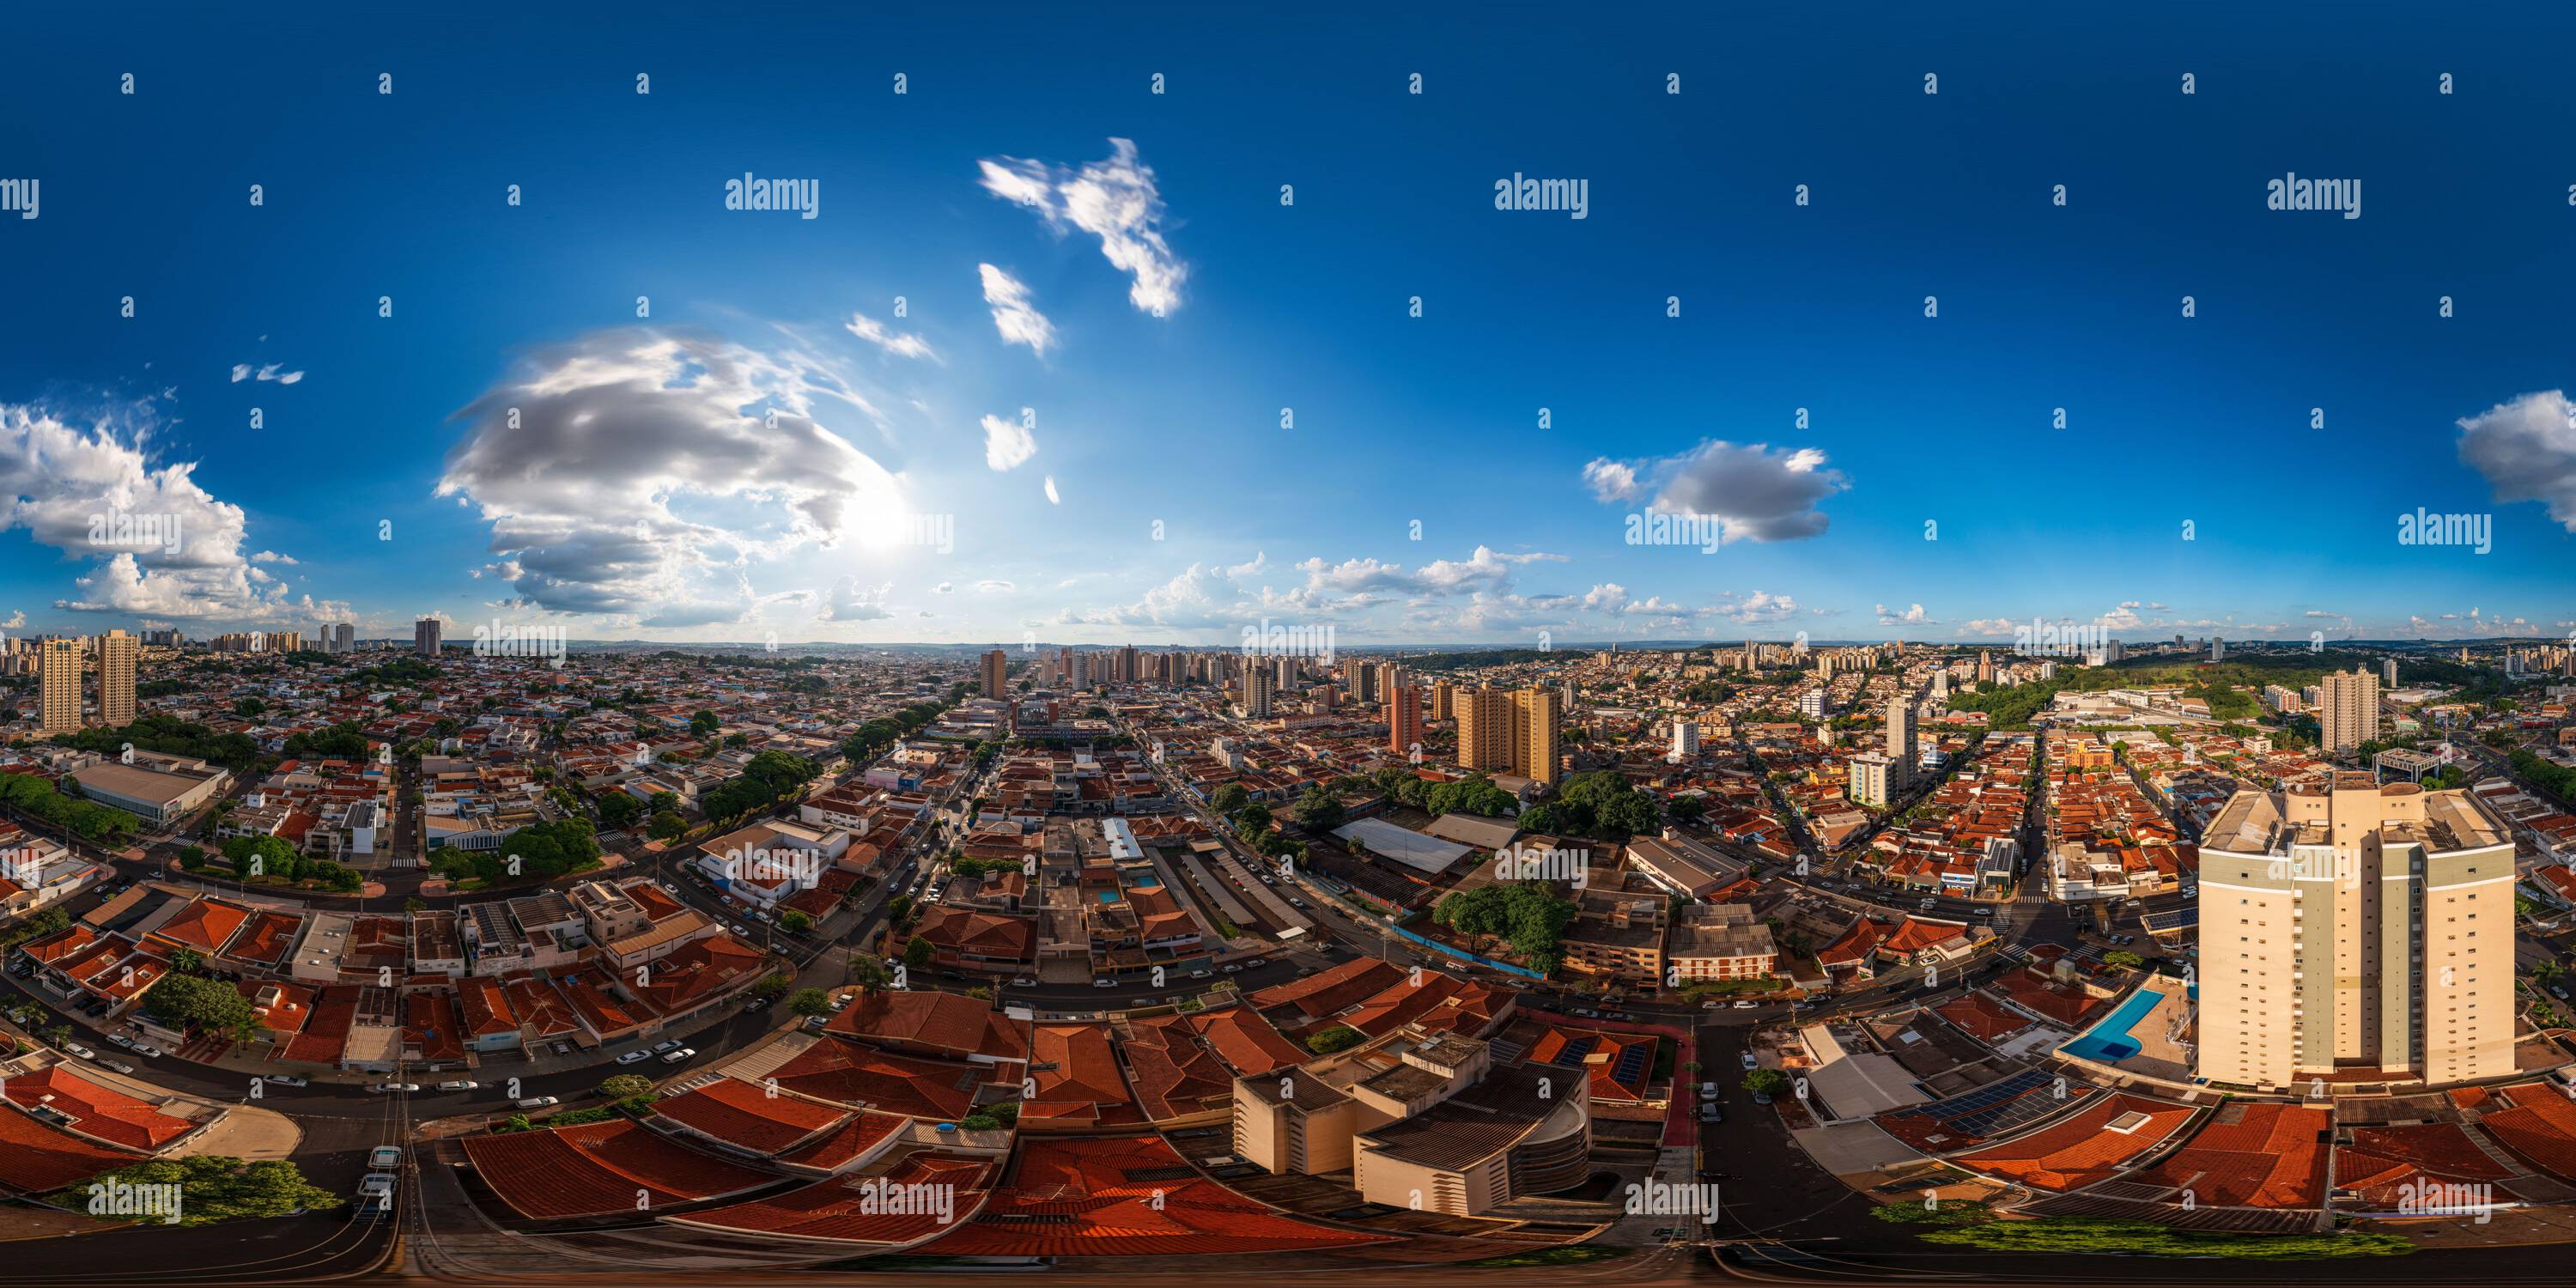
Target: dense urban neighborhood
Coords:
[(757, 960)]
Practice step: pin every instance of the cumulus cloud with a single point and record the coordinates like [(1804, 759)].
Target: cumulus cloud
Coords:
[(1115, 200), (1911, 616), (242, 371), (2526, 448), (850, 601), (1013, 315), (152, 540), (1761, 606), (1755, 492), (271, 556), (638, 471), (1988, 626), (16, 620), (994, 584), (876, 333), (1007, 443)]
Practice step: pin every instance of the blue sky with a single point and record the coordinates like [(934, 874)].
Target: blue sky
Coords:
[(645, 493)]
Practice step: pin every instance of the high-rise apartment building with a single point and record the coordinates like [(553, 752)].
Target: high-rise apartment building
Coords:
[(2217, 649), (1390, 677), (1685, 740), (2348, 712), (58, 671), (1285, 678), (425, 636), (1444, 700), (1900, 737), (2352, 928), (117, 654), (1538, 733), (1360, 681), (1403, 719), (1258, 685), (996, 665), (1484, 728), (2388, 672)]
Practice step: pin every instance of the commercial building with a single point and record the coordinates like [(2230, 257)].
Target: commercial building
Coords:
[(59, 680), (2348, 716), (117, 652), (155, 788), (425, 635), (2357, 930), (1720, 941)]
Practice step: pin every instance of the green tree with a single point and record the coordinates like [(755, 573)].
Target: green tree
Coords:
[(795, 922), (1766, 1082), (188, 1002), (810, 1001), (619, 809), (703, 723), (1336, 1038), (1318, 811), (216, 1188), (667, 826), (619, 1086), (1230, 798), (917, 954)]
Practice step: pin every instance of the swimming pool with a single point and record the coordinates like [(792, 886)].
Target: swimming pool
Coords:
[(2109, 1042)]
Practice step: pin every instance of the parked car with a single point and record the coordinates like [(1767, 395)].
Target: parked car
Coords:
[(1023, 981), (631, 1057), (1587, 1013), (758, 1004), (384, 1158), (120, 1039), (384, 1088), (677, 1056), (288, 1080), (539, 1102), (1232, 968), (1749, 1062), (1201, 973), (1708, 1090), (119, 1065), (1745, 1004), (77, 1049), (461, 1084), (666, 1044), (147, 1050), (1104, 983)]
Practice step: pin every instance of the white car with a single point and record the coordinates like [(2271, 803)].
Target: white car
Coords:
[(1024, 982), (288, 1080), (1104, 983), (633, 1056), (683, 1053), (462, 1084), (146, 1049), (119, 1065), (1749, 1062), (666, 1044), (120, 1039), (1201, 973), (540, 1102), (81, 1051), (385, 1088), (1232, 968), (384, 1158)]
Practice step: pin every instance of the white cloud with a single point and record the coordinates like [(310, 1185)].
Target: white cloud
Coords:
[(154, 540), (1115, 200), (1911, 616), (849, 601), (271, 556), (2527, 451), (1761, 606), (599, 494), (1007, 443), (271, 371), (1755, 493), (16, 620), (1018, 321), (1988, 626), (1052, 498), (993, 584), (875, 332)]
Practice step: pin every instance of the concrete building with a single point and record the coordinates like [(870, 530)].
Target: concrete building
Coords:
[(996, 663), (1720, 941), (1444, 700), (2357, 930), (1484, 729), (425, 636), (155, 788), (1872, 775), (1257, 688), (2348, 715), (1294, 1123), (1685, 740), (2388, 672), (1403, 719), (1496, 1141), (1538, 733), (58, 672), (117, 654)]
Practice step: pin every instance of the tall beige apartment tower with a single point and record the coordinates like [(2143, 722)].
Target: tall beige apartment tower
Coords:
[(1258, 688), (1538, 733), (59, 685), (426, 636), (1900, 743), (1484, 728), (996, 664), (2349, 715), (117, 652), (1444, 700), (2350, 927)]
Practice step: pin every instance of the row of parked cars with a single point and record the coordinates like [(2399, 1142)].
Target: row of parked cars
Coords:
[(670, 1050)]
